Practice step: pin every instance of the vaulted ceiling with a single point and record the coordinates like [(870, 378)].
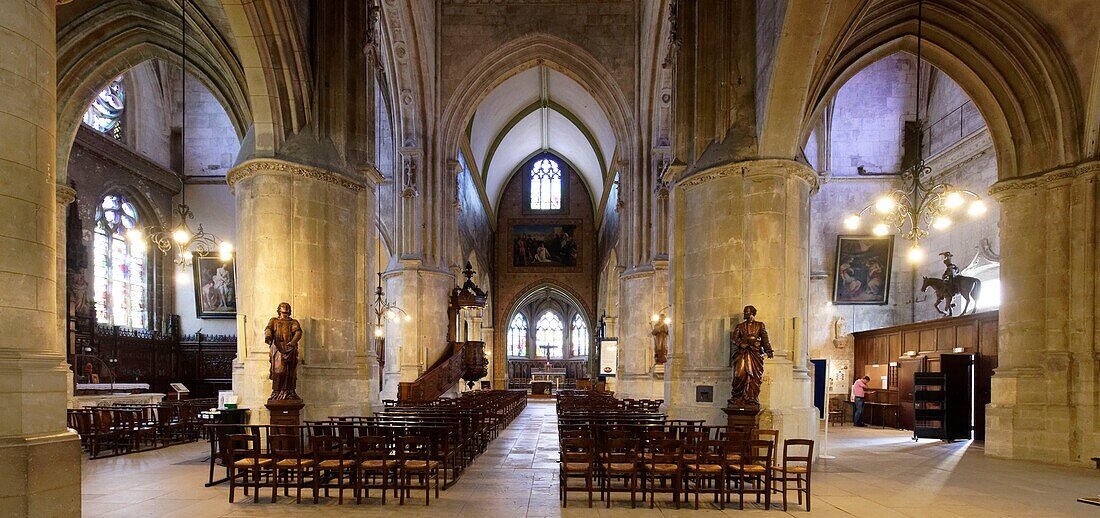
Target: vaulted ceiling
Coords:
[(540, 109)]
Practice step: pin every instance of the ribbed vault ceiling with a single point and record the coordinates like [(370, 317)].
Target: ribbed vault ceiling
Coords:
[(540, 109)]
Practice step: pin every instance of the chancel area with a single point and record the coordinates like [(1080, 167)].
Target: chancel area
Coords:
[(549, 257)]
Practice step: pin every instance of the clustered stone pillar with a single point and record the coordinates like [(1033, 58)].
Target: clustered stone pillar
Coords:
[(298, 242), (741, 236), (39, 457), (1044, 389), (646, 293)]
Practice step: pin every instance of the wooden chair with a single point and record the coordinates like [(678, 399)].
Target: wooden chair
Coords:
[(663, 462), (245, 461), (578, 460), (290, 463), (374, 459), (619, 460), (754, 469), (329, 457), (764, 434), (706, 471), (797, 467), (414, 458), (837, 411)]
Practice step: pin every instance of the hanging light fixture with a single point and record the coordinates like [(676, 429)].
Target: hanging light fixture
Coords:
[(180, 238), (922, 205)]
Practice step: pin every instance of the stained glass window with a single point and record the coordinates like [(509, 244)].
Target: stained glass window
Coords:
[(549, 335), (105, 113), (545, 185), (121, 280), (517, 336), (579, 336)]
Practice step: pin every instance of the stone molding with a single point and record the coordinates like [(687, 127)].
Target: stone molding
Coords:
[(262, 165), (1007, 188), (65, 194), (755, 168)]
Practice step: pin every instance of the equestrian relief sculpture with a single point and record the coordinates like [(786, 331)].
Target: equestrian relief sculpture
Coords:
[(951, 284)]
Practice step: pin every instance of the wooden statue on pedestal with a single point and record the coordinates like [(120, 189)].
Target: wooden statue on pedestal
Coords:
[(748, 345), (282, 334)]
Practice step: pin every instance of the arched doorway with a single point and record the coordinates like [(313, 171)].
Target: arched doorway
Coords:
[(548, 337)]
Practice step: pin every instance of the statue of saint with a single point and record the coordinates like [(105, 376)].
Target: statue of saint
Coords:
[(660, 340), (748, 343), (282, 334)]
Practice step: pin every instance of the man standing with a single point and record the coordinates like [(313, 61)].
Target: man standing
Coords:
[(859, 391)]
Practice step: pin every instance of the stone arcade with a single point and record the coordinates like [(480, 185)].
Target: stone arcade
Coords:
[(624, 177)]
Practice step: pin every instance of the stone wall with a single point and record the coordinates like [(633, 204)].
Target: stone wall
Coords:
[(869, 114), (215, 209), (514, 282)]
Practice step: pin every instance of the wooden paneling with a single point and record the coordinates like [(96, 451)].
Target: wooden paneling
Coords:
[(975, 334)]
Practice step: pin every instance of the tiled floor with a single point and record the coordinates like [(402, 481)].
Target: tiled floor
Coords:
[(876, 473)]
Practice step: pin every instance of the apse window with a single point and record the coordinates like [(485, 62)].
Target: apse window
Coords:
[(545, 185), (549, 335), (517, 336), (121, 279), (579, 337), (105, 113)]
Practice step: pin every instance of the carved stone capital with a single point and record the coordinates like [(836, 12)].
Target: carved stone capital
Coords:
[(65, 194), (272, 165), (1010, 187), (755, 168)]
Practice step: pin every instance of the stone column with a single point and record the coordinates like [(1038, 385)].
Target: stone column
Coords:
[(1044, 387), (412, 347), (741, 235), (39, 457), (644, 293), (65, 196), (299, 242)]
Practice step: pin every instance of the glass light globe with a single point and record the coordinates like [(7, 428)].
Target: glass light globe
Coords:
[(225, 247), (953, 200), (390, 315), (941, 222), (135, 236), (977, 208), (915, 254), (885, 204), (187, 255), (852, 222), (881, 229), (378, 332), (654, 318), (181, 235), (225, 256), (181, 277), (668, 321), (138, 245), (408, 318)]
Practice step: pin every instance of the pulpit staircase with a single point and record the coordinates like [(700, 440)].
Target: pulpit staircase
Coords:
[(462, 360)]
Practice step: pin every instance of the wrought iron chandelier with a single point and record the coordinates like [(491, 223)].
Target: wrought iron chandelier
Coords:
[(391, 312), (926, 202), (186, 243)]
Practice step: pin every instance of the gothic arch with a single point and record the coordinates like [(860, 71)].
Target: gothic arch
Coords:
[(1000, 56), (530, 51), (116, 36)]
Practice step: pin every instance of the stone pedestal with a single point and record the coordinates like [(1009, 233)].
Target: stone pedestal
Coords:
[(743, 416), (285, 412)]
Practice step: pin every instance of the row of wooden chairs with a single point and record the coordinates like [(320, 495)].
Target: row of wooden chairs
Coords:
[(120, 429), (681, 467)]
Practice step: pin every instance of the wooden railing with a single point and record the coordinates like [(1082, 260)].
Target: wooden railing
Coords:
[(466, 360)]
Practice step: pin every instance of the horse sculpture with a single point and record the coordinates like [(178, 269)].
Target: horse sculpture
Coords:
[(969, 287)]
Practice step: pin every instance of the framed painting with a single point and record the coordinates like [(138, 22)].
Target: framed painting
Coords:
[(545, 245), (862, 273), (215, 287)]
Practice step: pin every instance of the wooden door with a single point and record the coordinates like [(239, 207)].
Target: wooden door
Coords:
[(958, 369), (906, 369)]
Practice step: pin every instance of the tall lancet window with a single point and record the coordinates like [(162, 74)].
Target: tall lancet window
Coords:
[(105, 113), (517, 336), (579, 337), (121, 280), (545, 185), (549, 335)]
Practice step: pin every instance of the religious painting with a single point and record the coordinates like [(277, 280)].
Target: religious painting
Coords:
[(863, 269), (544, 245), (215, 287)]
